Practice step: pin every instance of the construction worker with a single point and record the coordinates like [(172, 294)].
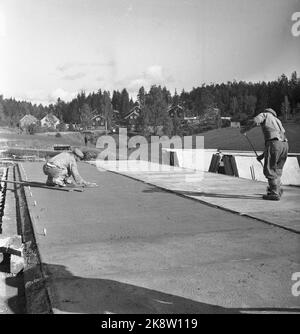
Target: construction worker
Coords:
[(276, 150), (61, 168)]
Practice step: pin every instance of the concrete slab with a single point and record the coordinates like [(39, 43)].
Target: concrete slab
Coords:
[(130, 247), (231, 193)]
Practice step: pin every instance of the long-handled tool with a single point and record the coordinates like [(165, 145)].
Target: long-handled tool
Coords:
[(249, 141), (42, 185)]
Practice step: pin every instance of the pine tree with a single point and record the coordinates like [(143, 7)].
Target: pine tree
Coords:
[(124, 104), (107, 110), (85, 116)]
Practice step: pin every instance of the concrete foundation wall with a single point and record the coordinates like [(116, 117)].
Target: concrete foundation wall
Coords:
[(196, 159), (290, 176), (248, 167)]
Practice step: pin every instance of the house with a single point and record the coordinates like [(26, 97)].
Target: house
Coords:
[(26, 121), (50, 121), (115, 115), (177, 111), (131, 117), (98, 121)]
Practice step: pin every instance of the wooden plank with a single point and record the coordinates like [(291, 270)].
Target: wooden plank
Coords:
[(43, 185)]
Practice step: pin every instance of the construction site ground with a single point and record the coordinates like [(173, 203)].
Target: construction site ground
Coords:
[(132, 247)]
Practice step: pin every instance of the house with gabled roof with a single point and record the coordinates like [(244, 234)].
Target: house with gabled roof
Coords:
[(176, 110), (133, 113), (132, 116), (98, 121), (27, 120), (50, 121)]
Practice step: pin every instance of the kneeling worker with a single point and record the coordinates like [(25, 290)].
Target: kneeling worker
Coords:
[(62, 167), (276, 150)]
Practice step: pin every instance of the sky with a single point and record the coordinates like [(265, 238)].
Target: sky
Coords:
[(57, 48)]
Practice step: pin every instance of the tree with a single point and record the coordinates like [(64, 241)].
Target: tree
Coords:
[(285, 108), (142, 122), (234, 106), (116, 100), (157, 108), (107, 110), (85, 116), (59, 109), (3, 120), (124, 104), (250, 104)]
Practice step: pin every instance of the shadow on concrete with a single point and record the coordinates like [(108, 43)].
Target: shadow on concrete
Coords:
[(205, 194), (101, 296), (17, 302), (74, 294)]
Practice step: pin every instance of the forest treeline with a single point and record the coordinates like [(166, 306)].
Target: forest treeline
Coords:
[(239, 100)]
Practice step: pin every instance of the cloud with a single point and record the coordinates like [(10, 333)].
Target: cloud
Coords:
[(36, 96), (87, 65), (74, 76), (39, 96), (136, 84), (153, 75), (62, 94)]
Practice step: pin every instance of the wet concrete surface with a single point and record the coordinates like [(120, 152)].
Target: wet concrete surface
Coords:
[(129, 247), (230, 193)]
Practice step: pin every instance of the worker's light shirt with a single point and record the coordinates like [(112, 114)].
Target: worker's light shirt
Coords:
[(66, 161), (271, 126)]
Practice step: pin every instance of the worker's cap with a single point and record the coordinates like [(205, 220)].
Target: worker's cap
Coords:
[(77, 152), (271, 111)]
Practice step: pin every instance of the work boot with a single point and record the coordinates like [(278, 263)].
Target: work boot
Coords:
[(272, 197), (273, 191), (269, 191), (49, 182)]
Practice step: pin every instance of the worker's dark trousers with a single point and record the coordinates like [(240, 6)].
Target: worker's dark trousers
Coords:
[(276, 153)]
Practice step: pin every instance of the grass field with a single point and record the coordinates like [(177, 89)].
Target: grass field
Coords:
[(231, 138), (39, 141)]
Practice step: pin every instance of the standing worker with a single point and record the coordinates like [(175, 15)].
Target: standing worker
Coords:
[(276, 150), (62, 167)]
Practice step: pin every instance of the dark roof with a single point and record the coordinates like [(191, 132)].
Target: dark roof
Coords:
[(175, 107), (96, 116), (135, 110)]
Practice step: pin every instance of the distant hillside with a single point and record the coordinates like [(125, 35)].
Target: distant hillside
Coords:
[(231, 138)]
